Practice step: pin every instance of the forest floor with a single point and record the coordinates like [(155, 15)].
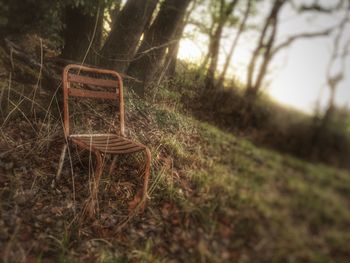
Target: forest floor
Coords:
[(214, 197)]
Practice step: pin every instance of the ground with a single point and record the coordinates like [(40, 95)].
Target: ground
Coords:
[(214, 197)]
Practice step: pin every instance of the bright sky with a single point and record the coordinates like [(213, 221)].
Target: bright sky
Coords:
[(297, 75)]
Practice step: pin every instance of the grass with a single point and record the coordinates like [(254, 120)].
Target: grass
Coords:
[(280, 207), (215, 197)]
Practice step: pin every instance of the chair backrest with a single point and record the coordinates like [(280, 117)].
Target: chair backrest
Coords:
[(114, 84)]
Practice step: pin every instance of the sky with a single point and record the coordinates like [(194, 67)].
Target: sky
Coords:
[(297, 75)]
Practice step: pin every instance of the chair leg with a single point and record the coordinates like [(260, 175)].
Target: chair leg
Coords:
[(91, 206), (148, 158), (112, 166), (141, 196), (60, 165)]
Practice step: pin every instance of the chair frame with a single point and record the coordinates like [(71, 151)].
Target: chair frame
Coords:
[(91, 94), (91, 206)]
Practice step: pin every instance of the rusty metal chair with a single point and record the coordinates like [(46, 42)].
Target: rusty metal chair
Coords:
[(100, 144)]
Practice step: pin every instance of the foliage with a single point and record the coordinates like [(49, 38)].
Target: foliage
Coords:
[(28, 16), (3, 10), (42, 17)]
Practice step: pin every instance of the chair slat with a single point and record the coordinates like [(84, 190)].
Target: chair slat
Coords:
[(92, 94), (130, 150), (92, 81)]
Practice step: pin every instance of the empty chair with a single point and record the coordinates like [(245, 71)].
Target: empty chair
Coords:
[(100, 143)]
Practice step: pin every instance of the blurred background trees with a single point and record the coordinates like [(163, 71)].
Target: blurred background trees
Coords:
[(139, 37), (156, 41)]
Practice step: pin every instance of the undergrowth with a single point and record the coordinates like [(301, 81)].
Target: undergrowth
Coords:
[(266, 122)]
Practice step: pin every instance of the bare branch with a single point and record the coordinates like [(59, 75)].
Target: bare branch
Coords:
[(316, 6), (322, 33), (291, 39)]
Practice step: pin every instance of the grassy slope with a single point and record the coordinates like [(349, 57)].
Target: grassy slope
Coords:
[(214, 198), (256, 203)]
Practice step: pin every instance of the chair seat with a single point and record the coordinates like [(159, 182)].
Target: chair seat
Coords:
[(107, 143)]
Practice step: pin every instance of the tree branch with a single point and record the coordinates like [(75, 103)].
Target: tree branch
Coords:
[(317, 7), (323, 33), (291, 39)]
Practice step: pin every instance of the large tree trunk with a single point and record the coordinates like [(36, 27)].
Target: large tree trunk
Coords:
[(82, 34), (215, 41), (173, 50), (151, 53), (234, 43), (114, 12), (121, 44)]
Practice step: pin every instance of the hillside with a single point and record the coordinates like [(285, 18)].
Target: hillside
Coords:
[(214, 197)]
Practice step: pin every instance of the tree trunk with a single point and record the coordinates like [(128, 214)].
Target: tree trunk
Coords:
[(151, 52), (215, 42), (266, 57), (171, 58), (121, 44), (82, 34), (114, 12), (265, 44), (207, 55), (214, 56), (173, 50), (234, 43)]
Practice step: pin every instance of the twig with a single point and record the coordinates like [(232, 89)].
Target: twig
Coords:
[(39, 76), (92, 38), (46, 72), (60, 166)]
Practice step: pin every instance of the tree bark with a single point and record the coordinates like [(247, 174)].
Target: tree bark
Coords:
[(114, 12), (121, 44), (82, 34), (150, 54)]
